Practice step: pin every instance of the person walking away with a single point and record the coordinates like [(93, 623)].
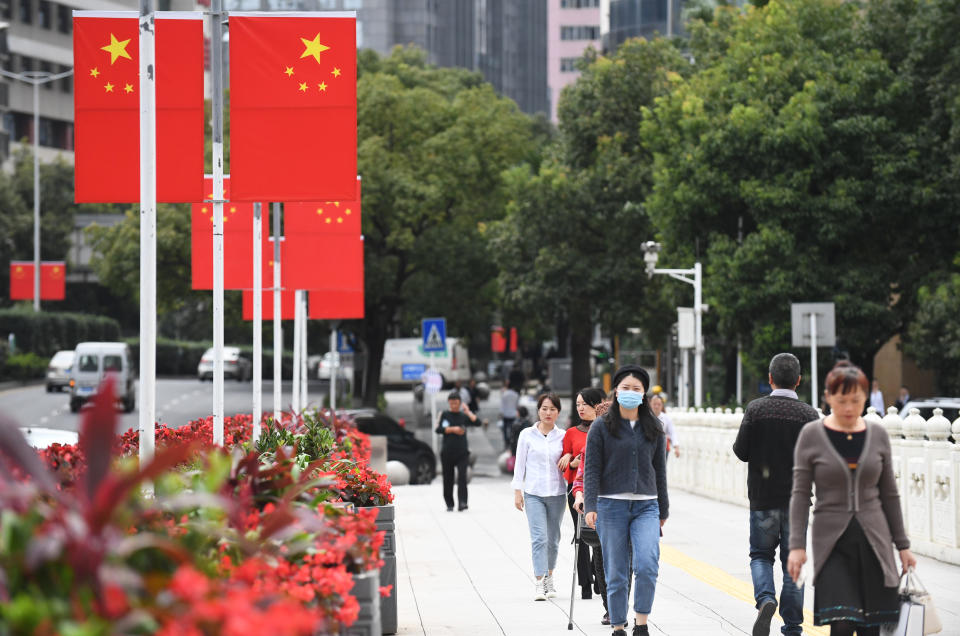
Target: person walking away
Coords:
[(876, 398), (508, 411), (539, 487), (454, 453), (766, 439), (473, 402), (857, 518), (659, 410), (625, 495), (902, 399), (574, 441)]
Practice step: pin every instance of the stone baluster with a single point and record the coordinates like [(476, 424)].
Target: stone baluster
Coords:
[(893, 423), (916, 485)]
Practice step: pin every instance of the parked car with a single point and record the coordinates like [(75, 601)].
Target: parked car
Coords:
[(950, 406), (58, 371), (402, 445), (234, 365), (326, 363), (92, 362)]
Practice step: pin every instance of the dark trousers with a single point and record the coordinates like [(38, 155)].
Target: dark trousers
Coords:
[(507, 431), (584, 565), (458, 463)]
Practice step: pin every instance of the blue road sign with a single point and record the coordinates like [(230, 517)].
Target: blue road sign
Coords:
[(343, 344), (434, 332), (412, 371)]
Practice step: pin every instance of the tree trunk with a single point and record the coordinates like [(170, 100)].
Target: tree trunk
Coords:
[(581, 337), (375, 337)]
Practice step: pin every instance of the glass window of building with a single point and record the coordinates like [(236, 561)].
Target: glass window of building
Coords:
[(26, 11), (64, 19), (26, 63), (580, 32), (351, 5), (45, 14), (66, 83), (6, 11), (579, 4), (568, 64), (47, 67)]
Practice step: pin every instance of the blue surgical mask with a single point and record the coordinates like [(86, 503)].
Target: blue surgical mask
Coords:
[(629, 399)]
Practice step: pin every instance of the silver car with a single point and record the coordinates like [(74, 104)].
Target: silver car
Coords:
[(58, 371), (234, 365)]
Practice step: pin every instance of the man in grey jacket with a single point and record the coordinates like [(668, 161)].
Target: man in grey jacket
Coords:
[(766, 440)]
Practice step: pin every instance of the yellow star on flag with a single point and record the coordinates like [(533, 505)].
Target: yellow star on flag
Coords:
[(94, 72), (203, 210), (339, 219), (328, 219), (303, 87), (322, 86), (116, 48), (336, 204), (128, 88), (313, 48), (108, 87), (289, 71), (319, 210), (336, 72), (348, 211)]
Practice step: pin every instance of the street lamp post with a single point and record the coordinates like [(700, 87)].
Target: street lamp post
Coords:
[(692, 276), (36, 78)]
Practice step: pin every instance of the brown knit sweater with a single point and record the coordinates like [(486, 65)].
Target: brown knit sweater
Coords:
[(868, 493)]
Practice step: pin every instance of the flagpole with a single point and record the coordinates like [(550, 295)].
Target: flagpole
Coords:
[(334, 366), (148, 234), (216, 76), (257, 320), (304, 377), (277, 327), (297, 335)]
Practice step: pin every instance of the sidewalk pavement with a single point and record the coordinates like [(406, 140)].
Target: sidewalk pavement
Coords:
[(471, 572)]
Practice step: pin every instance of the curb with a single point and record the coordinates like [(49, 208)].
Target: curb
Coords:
[(18, 384)]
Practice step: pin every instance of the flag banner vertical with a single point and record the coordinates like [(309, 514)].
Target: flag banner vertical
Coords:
[(237, 242), (107, 106), (288, 304), (339, 217), (53, 280), (293, 106), (21, 280), (322, 261), (335, 304)]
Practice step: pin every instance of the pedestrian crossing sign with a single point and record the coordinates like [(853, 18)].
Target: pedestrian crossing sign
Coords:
[(434, 332)]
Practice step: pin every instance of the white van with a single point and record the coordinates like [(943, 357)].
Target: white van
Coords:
[(404, 361), (92, 362)]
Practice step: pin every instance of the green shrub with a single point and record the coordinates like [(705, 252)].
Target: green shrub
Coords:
[(25, 366), (178, 357), (46, 332)]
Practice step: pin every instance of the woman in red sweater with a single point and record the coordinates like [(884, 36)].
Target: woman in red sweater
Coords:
[(574, 441)]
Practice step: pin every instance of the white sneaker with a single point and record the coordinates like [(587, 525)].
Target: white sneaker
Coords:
[(540, 590), (548, 586)]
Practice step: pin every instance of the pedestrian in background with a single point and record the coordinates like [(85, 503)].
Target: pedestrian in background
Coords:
[(625, 495), (876, 398), (539, 487), (857, 518), (902, 399), (660, 411), (508, 410), (766, 440), (454, 452), (574, 442)]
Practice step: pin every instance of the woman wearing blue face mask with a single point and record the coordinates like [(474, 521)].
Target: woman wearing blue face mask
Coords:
[(625, 495)]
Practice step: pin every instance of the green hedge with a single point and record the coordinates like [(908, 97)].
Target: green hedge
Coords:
[(44, 333), (178, 357), (25, 366)]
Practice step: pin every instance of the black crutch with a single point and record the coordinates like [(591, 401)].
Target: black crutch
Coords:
[(576, 559)]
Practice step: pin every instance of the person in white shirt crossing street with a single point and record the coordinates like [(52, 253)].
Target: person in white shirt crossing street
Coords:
[(540, 488)]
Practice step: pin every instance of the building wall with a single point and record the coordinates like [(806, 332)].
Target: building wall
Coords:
[(624, 19), (562, 52)]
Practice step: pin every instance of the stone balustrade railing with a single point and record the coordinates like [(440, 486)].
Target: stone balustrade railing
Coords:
[(926, 457)]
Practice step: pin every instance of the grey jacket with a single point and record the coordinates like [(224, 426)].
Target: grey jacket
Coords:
[(629, 463), (868, 493)]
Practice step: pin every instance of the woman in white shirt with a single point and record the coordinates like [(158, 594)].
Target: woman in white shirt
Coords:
[(539, 486)]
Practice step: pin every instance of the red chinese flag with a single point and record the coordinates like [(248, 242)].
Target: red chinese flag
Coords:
[(237, 242), (21, 280), (498, 344), (336, 304), (288, 305), (53, 283), (107, 107), (322, 261), (339, 217), (293, 106)]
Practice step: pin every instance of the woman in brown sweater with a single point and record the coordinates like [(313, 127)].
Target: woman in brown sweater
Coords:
[(857, 517)]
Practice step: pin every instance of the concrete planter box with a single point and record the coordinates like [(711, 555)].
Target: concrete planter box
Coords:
[(366, 587), (386, 516)]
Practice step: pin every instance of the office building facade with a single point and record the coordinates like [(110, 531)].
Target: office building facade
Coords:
[(624, 19), (572, 27)]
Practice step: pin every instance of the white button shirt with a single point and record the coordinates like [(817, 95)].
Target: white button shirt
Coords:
[(535, 470)]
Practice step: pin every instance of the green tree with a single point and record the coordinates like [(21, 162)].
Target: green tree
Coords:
[(793, 128), (934, 335), (569, 250), (432, 146)]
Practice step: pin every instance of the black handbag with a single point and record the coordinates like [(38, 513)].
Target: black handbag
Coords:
[(589, 536)]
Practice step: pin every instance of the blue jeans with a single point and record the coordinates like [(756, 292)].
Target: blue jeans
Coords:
[(544, 515), (622, 523), (769, 528)]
